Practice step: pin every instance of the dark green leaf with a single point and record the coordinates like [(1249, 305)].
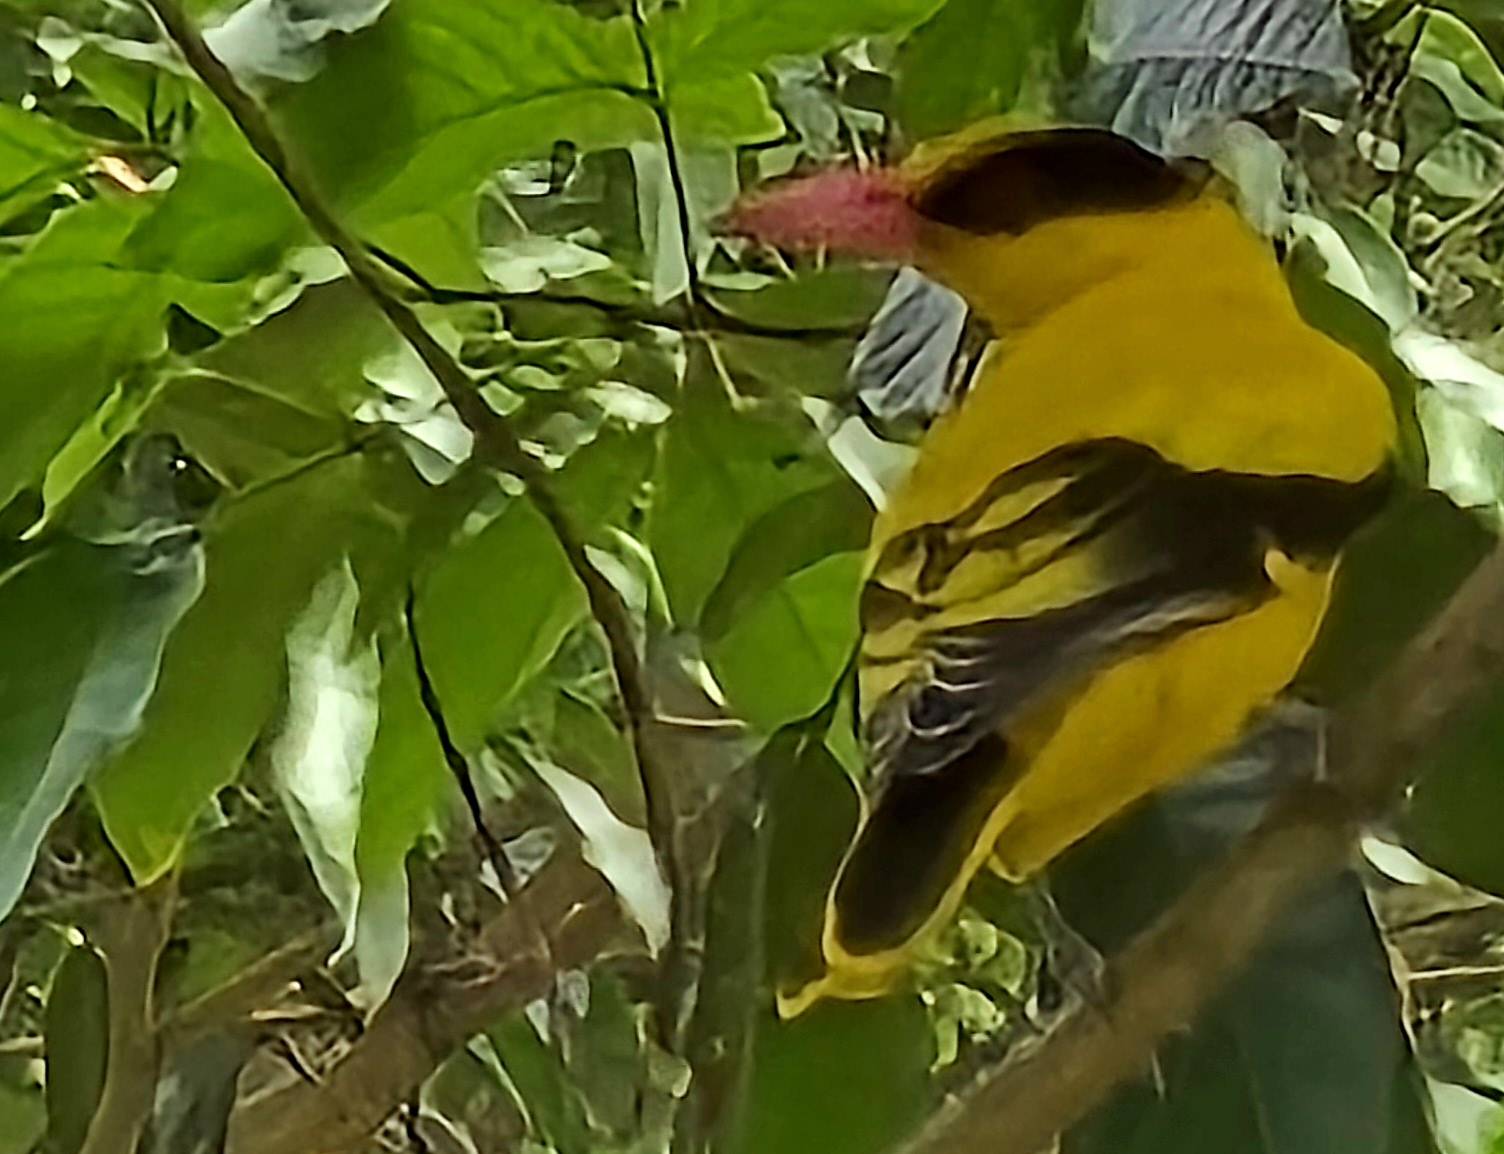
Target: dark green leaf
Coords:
[(972, 58), (78, 1042), (69, 324), (80, 663)]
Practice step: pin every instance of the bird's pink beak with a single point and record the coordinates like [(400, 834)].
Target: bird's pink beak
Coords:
[(844, 210)]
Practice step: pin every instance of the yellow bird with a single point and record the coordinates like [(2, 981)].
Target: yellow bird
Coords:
[(1115, 551)]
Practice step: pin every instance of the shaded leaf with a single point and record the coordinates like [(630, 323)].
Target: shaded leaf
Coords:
[(1304, 1052), (973, 58), (69, 324), (78, 1041), (85, 636)]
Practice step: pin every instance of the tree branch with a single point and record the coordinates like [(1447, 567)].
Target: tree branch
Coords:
[(130, 935), (431, 1014), (1168, 973), (496, 442)]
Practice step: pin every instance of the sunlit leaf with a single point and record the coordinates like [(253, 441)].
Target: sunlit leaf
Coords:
[(278, 39), (624, 854), (318, 756), (402, 797), (786, 650), (491, 614), (35, 154)]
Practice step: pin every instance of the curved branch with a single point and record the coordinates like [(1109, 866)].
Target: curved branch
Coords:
[(1168, 973), (431, 1014)]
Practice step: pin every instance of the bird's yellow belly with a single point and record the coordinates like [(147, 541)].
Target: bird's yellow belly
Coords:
[(1147, 721)]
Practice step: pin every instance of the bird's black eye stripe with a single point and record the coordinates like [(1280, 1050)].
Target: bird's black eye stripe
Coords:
[(1034, 177)]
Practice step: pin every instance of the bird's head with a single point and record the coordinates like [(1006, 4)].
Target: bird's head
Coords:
[(1016, 221)]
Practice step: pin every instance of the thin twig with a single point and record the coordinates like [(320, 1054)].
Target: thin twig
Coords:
[(657, 100), (233, 1003), (458, 763), (720, 320), (497, 443)]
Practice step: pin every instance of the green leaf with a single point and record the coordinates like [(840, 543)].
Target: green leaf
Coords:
[(840, 296), (187, 234), (491, 614), (1304, 1052), (23, 1107), (1446, 37), (77, 1036), (1464, 452), (556, 1113), (1451, 811), (846, 1077), (786, 651), (225, 666), (318, 756), (730, 36), (434, 97), (402, 797), (35, 151), (720, 469), (1465, 164), (241, 434), (69, 324), (971, 59), (84, 639), (311, 355), (804, 529), (1394, 577)]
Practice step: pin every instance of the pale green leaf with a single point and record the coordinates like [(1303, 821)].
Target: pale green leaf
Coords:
[(318, 756), (1466, 164)]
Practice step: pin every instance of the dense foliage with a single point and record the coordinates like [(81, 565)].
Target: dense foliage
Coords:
[(264, 585)]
